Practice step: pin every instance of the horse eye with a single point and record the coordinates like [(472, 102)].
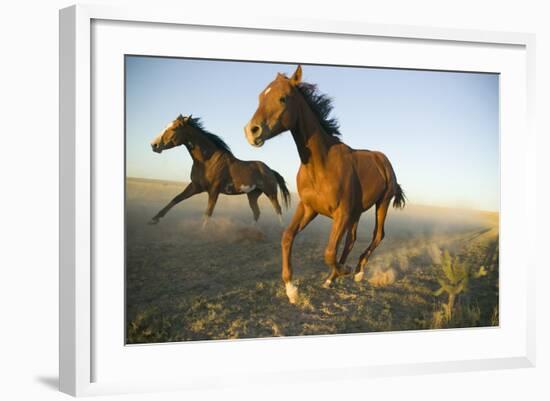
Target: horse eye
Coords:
[(282, 100)]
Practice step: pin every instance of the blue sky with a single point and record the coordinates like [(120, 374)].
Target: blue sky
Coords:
[(440, 130)]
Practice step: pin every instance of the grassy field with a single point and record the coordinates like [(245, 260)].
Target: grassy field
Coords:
[(185, 283)]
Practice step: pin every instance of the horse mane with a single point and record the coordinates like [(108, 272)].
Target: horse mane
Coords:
[(218, 142), (321, 105)]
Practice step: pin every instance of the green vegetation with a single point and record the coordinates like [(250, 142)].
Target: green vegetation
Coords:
[(456, 276)]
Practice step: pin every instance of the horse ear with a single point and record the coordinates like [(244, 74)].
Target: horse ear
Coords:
[(180, 117), (297, 76), (188, 118)]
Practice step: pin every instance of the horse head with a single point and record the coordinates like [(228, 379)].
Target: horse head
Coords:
[(173, 135), (277, 110)]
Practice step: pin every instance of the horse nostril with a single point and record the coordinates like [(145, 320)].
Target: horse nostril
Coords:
[(254, 129)]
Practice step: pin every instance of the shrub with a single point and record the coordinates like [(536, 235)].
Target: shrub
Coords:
[(454, 280)]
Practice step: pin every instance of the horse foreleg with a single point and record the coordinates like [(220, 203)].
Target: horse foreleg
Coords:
[(377, 237), (350, 241), (339, 227), (189, 191), (212, 199), (302, 217)]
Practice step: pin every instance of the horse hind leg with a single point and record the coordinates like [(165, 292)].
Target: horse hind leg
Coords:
[(253, 202), (377, 237)]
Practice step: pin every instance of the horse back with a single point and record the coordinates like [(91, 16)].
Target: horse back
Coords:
[(252, 173)]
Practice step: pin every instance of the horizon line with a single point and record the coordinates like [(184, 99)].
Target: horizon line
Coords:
[(295, 194)]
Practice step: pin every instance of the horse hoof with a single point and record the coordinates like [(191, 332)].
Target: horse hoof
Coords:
[(291, 292), (327, 283), (358, 277), (153, 221)]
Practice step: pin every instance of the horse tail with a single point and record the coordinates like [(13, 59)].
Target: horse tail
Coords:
[(399, 199), (285, 194)]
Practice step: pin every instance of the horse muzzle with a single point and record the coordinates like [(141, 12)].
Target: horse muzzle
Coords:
[(157, 148), (255, 134)]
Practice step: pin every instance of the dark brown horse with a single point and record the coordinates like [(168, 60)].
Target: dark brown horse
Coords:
[(217, 171), (333, 180)]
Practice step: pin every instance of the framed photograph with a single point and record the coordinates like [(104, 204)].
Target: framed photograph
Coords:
[(287, 199)]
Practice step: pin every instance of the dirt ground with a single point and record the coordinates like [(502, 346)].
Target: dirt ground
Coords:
[(188, 283)]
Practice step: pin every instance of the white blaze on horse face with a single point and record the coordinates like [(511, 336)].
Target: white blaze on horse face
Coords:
[(158, 138), (247, 188), (157, 141), (169, 125), (267, 91)]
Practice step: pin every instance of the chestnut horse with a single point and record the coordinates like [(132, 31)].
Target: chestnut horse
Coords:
[(333, 180), (216, 170)]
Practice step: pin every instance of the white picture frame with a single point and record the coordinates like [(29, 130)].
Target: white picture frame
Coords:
[(78, 164)]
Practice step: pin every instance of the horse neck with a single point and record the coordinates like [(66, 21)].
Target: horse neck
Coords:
[(200, 148), (311, 139)]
